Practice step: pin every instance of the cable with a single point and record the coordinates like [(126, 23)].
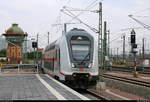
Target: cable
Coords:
[(82, 11), (115, 39), (58, 19), (93, 5), (75, 16), (72, 15)]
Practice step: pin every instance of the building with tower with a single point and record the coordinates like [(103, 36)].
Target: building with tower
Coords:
[(15, 37)]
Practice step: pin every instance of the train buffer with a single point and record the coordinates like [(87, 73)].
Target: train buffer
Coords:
[(35, 87)]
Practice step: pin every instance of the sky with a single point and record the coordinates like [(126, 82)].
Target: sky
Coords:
[(39, 16)]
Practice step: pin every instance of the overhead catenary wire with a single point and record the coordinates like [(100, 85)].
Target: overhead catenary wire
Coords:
[(58, 19), (91, 5), (83, 11), (141, 23), (87, 8), (115, 39), (73, 15), (78, 9)]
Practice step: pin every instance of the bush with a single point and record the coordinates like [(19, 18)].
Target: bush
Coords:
[(2, 60), (3, 53), (119, 63)]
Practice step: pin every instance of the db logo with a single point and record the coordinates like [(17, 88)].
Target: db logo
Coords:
[(81, 69)]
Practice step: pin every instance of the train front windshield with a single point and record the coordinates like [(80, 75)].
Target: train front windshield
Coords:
[(80, 52), (80, 48)]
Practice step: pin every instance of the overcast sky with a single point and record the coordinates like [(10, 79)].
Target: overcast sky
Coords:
[(37, 16)]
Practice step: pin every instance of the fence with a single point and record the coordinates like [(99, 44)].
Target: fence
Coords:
[(20, 68)]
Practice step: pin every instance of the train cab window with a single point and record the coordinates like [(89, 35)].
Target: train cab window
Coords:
[(83, 38), (79, 52), (80, 46)]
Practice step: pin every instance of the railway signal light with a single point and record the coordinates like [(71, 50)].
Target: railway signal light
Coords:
[(133, 37), (34, 44), (134, 45)]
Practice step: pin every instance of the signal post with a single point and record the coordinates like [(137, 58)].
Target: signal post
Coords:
[(133, 50), (34, 45), (1, 65)]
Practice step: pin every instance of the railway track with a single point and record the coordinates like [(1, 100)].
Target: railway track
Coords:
[(97, 95), (92, 94), (141, 70), (147, 72), (127, 80)]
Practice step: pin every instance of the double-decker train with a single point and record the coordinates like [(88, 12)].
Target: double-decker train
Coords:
[(73, 59)]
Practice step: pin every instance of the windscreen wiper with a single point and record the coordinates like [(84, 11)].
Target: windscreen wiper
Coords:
[(85, 57)]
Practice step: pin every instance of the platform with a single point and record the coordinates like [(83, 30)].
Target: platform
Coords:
[(35, 87)]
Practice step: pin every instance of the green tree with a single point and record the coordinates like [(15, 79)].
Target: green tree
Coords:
[(3, 53), (31, 55)]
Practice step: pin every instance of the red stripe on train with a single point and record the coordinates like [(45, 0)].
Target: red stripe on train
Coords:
[(51, 59)]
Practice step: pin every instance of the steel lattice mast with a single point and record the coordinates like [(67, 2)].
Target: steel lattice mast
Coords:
[(100, 50)]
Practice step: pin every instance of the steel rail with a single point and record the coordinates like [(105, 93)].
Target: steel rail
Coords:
[(124, 79), (141, 70), (97, 95)]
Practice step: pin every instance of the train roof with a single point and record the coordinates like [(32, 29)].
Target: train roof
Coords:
[(80, 32), (74, 31), (52, 44), (77, 31)]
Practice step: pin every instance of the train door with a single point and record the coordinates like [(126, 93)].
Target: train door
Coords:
[(55, 62)]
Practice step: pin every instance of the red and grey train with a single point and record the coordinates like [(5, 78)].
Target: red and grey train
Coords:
[(73, 59)]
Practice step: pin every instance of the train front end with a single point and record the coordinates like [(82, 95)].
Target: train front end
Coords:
[(83, 59)]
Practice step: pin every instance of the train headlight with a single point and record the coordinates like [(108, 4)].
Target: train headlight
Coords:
[(72, 65), (74, 75), (90, 65), (87, 75)]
